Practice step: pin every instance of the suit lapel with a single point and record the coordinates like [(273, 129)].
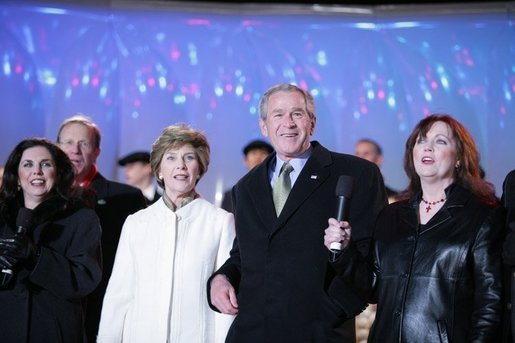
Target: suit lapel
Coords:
[(312, 176), (100, 186), (261, 192)]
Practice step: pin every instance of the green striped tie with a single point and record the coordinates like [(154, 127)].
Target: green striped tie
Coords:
[(282, 187)]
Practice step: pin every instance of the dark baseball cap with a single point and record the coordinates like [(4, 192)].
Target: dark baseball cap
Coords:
[(138, 156)]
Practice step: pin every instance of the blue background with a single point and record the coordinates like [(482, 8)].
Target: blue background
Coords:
[(135, 69)]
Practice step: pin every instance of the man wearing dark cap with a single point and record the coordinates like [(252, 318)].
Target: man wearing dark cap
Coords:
[(138, 173), (254, 153)]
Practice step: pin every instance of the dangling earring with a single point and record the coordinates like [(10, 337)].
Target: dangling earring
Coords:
[(457, 164), (18, 187)]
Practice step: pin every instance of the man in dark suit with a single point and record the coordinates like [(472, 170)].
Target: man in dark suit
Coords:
[(138, 173), (277, 278), (80, 138), (254, 153), (508, 201)]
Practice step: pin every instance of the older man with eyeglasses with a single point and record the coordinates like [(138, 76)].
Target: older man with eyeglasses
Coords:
[(79, 137)]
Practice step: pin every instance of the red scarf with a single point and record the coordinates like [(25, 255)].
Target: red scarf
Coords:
[(89, 178)]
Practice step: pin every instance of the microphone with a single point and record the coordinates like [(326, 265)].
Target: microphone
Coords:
[(23, 222), (343, 195)]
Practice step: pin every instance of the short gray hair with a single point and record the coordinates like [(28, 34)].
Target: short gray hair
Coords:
[(286, 87), (83, 120)]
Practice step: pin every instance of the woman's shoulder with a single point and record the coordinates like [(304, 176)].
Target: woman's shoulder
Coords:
[(150, 211), (208, 206), (201, 208)]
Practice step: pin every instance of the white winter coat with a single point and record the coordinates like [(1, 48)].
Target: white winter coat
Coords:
[(157, 291)]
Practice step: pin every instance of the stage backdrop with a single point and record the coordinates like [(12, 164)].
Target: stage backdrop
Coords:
[(135, 69)]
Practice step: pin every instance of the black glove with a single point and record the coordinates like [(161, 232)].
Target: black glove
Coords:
[(7, 262), (19, 247)]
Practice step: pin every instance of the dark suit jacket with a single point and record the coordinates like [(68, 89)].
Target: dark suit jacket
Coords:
[(114, 202), (508, 201), (227, 201), (279, 266)]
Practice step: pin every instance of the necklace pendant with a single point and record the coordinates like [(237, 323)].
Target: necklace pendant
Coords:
[(428, 208)]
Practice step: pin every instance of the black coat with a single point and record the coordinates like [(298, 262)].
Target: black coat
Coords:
[(45, 304), (439, 283), (508, 201), (280, 266), (114, 203), (227, 202)]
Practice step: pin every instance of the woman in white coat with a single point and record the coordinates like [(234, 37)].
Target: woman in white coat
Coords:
[(157, 291)]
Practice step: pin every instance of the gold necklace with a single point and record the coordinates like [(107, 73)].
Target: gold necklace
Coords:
[(429, 203)]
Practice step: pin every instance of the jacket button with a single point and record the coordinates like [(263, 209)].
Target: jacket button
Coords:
[(397, 313)]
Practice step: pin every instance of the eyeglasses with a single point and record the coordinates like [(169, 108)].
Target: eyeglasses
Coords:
[(84, 145)]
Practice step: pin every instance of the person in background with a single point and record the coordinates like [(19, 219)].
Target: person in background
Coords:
[(168, 251), (370, 150), (435, 267), (1, 174), (56, 262), (138, 173), (277, 278), (508, 201), (254, 153), (80, 139)]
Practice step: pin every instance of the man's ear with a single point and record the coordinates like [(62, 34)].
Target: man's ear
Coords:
[(313, 124), (262, 125), (97, 153)]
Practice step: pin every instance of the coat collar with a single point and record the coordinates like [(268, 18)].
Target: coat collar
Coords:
[(457, 197), (50, 209), (456, 194), (99, 183)]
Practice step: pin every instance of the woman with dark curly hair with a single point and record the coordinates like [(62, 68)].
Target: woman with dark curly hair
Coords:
[(434, 269), (54, 262)]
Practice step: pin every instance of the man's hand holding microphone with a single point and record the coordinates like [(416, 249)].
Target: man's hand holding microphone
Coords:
[(337, 234)]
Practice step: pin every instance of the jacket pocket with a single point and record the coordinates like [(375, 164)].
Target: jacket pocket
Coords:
[(442, 331)]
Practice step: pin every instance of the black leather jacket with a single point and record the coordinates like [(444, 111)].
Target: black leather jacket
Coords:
[(438, 283)]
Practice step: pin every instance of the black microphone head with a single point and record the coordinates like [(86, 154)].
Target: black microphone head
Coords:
[(24, 218), (344, 186)]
